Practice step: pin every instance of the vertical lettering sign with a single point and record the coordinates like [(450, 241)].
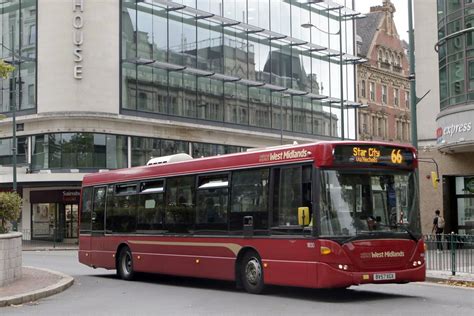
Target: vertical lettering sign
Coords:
[(77, 36)]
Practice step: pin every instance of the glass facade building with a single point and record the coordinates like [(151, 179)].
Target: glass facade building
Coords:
[(157, 77), (456, 52), (248, 64), (18, 47)]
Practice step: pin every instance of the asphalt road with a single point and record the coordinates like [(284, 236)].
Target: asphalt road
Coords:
[(100, 292)]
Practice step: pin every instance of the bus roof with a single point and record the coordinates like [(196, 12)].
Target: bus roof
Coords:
[(320, 153)]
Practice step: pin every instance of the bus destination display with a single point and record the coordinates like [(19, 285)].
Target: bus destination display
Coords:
[(361, 154)]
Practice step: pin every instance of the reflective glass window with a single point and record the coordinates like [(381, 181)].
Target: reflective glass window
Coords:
[(171, 147), (260, 107), (143, 149), (302, 114), (6, 150), (18, 33), (210, 105), (182, 39), (236, 103)]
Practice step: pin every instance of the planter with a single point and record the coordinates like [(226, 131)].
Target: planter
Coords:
[(10, 258)]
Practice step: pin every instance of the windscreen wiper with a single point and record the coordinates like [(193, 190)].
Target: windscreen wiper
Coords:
[(398, 225)]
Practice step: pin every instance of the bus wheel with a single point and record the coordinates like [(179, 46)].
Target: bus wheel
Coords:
[(125, 264), (252, 273)]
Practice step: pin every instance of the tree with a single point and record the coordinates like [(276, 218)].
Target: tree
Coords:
[(5, 69), (10, 207)]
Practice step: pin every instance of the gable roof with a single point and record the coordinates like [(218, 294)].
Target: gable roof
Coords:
[(366, 29)]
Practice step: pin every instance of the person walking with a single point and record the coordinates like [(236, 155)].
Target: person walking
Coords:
[(438, 229)]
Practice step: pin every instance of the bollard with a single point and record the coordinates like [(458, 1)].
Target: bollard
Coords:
[(453, 255)]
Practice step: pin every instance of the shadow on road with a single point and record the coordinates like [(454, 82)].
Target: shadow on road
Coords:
[(350, 295)]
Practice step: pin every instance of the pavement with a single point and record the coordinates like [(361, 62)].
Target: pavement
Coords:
[(37, 283)]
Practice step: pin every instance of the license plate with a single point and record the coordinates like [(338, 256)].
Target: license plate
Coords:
[(384, 276)]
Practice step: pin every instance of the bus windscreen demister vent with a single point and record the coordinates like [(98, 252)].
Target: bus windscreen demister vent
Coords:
[(168, 159)]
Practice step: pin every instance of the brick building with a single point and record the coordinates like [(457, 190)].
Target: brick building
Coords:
[(382, 81)]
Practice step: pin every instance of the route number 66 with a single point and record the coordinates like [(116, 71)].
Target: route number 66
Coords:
[(396, 156)]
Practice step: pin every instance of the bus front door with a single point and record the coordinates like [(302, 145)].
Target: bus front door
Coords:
[(98, 225)]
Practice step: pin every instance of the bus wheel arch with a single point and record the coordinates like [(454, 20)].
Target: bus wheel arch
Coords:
[(249, 271), (124, 262)]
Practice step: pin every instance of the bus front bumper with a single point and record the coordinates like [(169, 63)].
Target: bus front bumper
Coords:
[(330, 277)]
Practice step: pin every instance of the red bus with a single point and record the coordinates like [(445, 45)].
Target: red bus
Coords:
[(320, 215)]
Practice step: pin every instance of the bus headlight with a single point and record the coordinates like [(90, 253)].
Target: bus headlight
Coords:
[(343, 267)]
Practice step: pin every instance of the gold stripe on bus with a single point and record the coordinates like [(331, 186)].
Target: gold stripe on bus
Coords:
[(235, 248)]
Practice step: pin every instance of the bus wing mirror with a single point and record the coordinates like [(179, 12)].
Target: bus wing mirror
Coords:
[(303, 216)]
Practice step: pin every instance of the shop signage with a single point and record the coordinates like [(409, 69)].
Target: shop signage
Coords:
[(55, 196), (452, 131), (71, 196), (77, 36)]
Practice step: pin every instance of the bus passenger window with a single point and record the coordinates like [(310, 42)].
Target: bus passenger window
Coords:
[(150, 210), (212, 203), (249, 197), (180, 210)]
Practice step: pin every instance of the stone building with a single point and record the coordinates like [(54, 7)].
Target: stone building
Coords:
[(444, 46), (382, 81)]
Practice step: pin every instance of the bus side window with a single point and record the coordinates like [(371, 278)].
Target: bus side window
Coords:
[(180, 209), (212, 203), (86, 210), (98, 211), (122, 208), (150, 217), (249, 197)]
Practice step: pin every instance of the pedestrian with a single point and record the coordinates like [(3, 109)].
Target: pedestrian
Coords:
[(438, 229)]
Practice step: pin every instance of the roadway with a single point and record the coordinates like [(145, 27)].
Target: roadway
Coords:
[(100, 292)]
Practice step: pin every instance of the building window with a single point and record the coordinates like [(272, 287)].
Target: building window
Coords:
[(78, 150), (380, 127), (372, 91), (407, 99), (395, 96), (471, 75), (31, 94), (399, 130), (13, 21), (384, 94), (362, 89), (32, 34), (374, 125), (6, 150)]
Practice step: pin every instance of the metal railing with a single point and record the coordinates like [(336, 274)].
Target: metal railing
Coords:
[(450, 252)]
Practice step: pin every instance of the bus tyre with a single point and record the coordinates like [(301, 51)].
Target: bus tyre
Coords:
[(125, 264), (251, 273)]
